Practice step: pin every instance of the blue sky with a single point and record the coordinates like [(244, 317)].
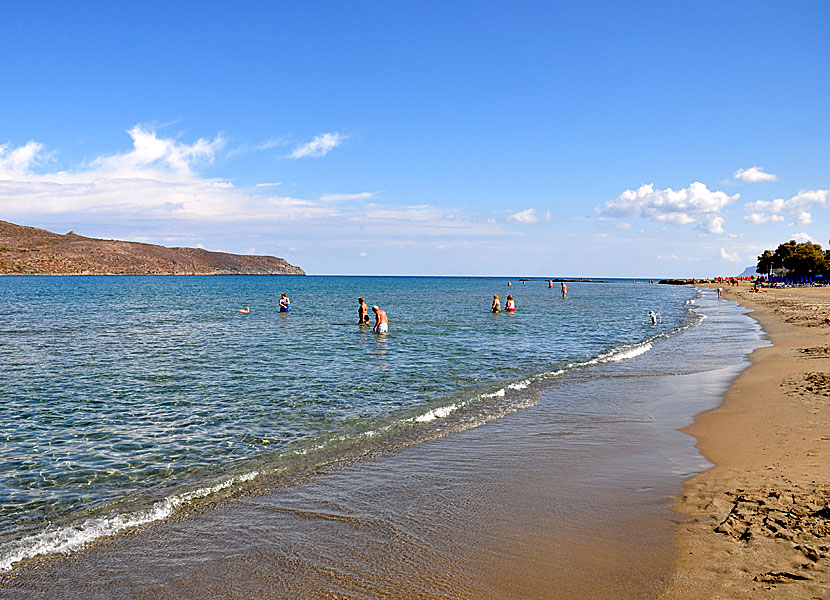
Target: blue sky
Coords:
[(605, 139)]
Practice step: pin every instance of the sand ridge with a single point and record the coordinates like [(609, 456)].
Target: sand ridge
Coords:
[(757, 525)]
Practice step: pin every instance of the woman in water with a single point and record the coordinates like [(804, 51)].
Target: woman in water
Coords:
[(496, 304), (511, 305), (285, 303)]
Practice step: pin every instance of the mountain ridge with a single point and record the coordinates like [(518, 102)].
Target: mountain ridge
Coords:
[(31, 251)]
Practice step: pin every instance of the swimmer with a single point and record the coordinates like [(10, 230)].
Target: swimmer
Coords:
[(511, 305), (362, 312), (509, 284), (564, 290), (550, 283), (496, 304), (381, 322), (720, 292), (285, 303), (245, 310), (653, 316)]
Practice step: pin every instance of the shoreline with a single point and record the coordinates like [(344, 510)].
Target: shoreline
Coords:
[(757, 524), (564, 498)]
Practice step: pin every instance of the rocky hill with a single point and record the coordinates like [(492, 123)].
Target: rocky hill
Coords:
[(32, 251)]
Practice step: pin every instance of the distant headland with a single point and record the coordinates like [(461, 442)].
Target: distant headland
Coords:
[(33, 251)]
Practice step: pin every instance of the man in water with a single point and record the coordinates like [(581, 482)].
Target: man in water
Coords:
[(564, 290), (362, 312), (381, 322), (653, 316)]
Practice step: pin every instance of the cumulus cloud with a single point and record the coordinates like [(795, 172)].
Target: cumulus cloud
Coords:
[(799, 206), (730, 256), (754, 175), (759, 218), (696, 205), (524, 216), (803, 237), (802, 218), (319, 146)]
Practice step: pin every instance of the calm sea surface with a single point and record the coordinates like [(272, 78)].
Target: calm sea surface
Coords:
[(127, 398)]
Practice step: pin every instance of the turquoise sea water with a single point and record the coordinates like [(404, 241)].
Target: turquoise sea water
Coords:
[(125, 398)]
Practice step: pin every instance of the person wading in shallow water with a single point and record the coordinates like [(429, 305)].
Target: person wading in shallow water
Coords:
[(285, 303), (362, 312), (381, 322), (496, 304)]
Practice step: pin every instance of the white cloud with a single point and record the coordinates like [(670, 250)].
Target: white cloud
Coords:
[(319, 146), (524, 216), (730, 256), (667, 257), (802, 218), (269, 184), (547, 215), (754, 175), (18, 161), (803, 237), (152, 154), (362, 254), (347, 197), (693, 205), (759, 218), (711, 224), (623, 225), (799, 202)]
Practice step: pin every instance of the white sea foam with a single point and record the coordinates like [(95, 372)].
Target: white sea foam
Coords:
[(497, 394), (437, 413), (63, 540), (626, 353), (519, 385)]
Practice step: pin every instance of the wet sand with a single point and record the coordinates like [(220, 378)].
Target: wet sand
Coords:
[(759, 522)]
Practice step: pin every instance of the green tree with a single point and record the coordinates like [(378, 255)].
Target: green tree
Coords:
[(783, 254), (765, 262), (807, 258)]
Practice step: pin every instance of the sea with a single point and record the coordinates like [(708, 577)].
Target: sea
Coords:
[(129, 402)]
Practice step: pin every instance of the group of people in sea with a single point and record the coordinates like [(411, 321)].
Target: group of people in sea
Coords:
[(510, 306), (381, 320)]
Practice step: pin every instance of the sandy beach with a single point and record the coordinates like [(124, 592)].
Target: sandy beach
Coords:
[(757, 525)]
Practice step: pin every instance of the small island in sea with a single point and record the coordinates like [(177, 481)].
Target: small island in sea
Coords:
[(32, 251)]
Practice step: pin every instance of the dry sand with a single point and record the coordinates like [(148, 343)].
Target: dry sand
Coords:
[(758, 522)]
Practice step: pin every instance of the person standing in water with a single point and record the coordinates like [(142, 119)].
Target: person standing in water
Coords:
[(511, 305), (362, 312), (496, 304), (564, 290), (381, 322), (285, 303)]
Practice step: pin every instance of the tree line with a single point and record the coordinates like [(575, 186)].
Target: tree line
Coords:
[(801, 260)]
